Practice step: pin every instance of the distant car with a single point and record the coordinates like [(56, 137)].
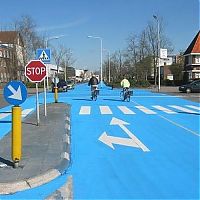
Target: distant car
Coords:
[(70, 84), (62, 86), (194, 86)]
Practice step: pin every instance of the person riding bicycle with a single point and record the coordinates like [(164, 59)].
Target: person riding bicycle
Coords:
[(125, 84), (93, 82)]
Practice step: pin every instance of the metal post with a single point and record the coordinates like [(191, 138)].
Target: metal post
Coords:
[(158, 40), (101, 41), (109, 67), (158, 56), (101, 62), (45, 98), (16, 135), (37, 106)]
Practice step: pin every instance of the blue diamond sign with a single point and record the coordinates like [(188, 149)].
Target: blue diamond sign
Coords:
[(15, 92)]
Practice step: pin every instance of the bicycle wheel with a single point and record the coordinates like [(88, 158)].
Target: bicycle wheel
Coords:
[(121, 95), (95, 95)]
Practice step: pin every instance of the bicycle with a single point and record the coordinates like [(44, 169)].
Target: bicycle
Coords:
[(95, 92), (126, 94)]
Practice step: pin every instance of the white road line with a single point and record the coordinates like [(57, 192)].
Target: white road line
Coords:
[(85, 110), (164, 109), (25, 112), (105, 110), (178, 125), (182, 109), (145, 110), (126, 110), (3, 115), (194, 107)]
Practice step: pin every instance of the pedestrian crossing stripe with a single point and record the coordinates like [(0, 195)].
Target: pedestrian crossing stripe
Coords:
[(85, 110), (25, 112), (43, 56), (106, 110), (166, 110), (183, 109), (194, 107), (126, 110), (145, 110)]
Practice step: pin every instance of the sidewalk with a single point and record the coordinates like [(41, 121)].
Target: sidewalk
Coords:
[(45, 150), (166, 89)]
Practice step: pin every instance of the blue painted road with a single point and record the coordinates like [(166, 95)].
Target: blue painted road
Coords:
[(155, 149)]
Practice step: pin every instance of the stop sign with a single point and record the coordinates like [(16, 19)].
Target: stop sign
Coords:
[(35, 71)]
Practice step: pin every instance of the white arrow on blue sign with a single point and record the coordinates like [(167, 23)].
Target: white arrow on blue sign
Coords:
[(15, 92)]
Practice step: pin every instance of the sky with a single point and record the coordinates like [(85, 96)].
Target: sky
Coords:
[(112, 20)]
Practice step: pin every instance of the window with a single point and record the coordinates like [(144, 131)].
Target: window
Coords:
[(197, 59)]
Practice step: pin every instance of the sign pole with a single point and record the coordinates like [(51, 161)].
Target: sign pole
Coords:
[(15, 93), (37, 106), (16, 135), (45, 98)]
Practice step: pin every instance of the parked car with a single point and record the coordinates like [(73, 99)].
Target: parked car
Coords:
[(62, 86), (70, 84), (194, 86)]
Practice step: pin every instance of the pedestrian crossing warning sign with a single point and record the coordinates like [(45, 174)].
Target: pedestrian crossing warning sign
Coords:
[(43, 55)]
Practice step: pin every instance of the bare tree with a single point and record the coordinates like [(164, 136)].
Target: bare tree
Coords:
[(67, 61), (27, 28), (59, 54)]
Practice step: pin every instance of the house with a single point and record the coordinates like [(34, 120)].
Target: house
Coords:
[(11, 56), (192, 60)]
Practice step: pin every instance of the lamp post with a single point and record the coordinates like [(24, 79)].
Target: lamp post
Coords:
[(158, 40), (46, 46), (108, 64), (101, 41)]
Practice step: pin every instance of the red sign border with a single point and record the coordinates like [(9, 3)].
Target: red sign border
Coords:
[(29, 78)]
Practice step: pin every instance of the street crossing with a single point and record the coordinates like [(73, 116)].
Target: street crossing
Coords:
[(25, 112), (131, 110)]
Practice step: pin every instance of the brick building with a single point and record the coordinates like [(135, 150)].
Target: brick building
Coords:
[(192, 60)]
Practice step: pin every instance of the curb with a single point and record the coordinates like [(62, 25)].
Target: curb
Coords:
[(13, 187)]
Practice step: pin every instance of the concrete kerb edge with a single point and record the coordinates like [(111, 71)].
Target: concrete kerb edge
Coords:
[(13, 187), (66, 144)]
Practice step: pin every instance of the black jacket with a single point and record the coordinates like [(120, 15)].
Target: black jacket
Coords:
[(93, 81)]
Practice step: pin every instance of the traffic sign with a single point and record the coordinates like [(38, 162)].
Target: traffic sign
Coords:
[(15, 92), (44, 55), (35, 71)]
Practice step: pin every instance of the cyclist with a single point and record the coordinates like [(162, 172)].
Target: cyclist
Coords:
[(125, 84), (93, 82)]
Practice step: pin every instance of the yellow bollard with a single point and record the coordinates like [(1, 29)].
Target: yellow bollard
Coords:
[(56, 95), (16, 135)]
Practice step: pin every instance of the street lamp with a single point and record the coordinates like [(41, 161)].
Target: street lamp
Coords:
[(46, 46), (158, 40), (108, 64), (101, 54)]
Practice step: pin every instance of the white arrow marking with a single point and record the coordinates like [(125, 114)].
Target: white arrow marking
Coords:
[(121, 123), (110, 140), (16, 93)]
